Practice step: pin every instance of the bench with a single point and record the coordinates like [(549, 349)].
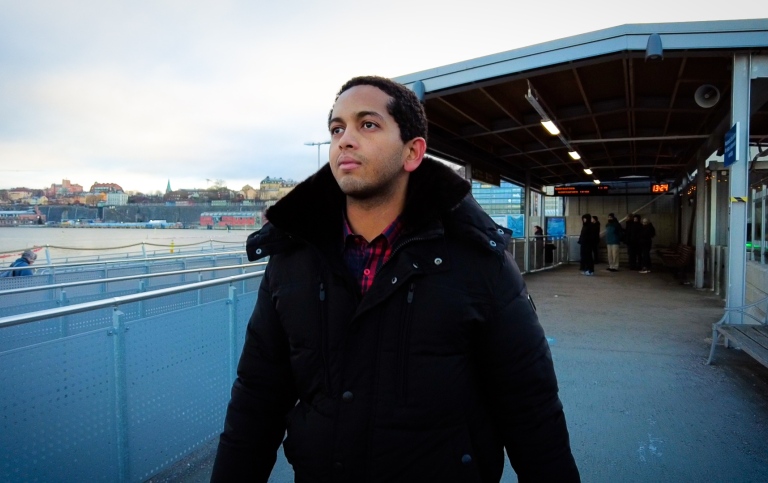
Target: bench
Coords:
[(735, 327), (677, 258)]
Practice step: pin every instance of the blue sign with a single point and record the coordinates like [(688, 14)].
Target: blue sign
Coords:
[(731, 149), (555, 226)]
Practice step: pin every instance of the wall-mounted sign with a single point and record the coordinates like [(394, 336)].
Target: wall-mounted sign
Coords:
[(485, 176), (585, 190), (731, 149), (659, 187)]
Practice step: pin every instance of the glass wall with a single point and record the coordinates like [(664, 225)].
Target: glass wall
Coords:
[(506, 199)]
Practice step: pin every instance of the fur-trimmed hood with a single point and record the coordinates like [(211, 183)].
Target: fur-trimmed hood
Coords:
[(437, 198)]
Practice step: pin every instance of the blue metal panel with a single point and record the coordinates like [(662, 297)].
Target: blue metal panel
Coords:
[(176, 372), (57, 421)]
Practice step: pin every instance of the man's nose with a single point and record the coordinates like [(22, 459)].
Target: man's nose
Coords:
[(348, 139)]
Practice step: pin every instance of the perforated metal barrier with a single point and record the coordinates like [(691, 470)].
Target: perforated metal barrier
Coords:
[(120, 392), (33, 300)]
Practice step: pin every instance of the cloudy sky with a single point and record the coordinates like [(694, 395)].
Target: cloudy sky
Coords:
[(142, 92)]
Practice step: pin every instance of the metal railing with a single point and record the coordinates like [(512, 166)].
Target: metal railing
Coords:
[(67, 272), (29, 299), (117, 390), (539, 253)]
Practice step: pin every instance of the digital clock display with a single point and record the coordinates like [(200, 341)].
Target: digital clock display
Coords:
[(659, 188)]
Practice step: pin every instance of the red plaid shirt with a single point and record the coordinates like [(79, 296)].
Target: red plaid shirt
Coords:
[(364, 259)]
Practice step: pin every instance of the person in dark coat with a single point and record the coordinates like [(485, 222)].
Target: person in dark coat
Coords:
[(596, 240), (538, 234), (644, 242), (631, 229), (20, 267), (393, 337), (586, 242)]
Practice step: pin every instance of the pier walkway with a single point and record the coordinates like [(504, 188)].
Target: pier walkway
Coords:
[(641, 403)]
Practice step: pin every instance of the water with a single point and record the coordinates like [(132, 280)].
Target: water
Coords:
[(77, 242)]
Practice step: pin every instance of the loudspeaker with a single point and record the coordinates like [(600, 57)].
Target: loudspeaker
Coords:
[(706, 96)]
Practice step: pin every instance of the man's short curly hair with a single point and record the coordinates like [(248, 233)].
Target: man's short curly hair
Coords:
[(404, 106)]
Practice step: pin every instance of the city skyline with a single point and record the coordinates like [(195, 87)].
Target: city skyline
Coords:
[(142, 92)]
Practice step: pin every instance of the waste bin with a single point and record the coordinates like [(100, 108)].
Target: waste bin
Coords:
[(549, 252)]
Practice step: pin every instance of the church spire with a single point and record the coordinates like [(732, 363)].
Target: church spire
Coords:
[(168, 188)]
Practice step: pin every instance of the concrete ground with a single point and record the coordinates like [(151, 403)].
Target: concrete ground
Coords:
[(641, 404)]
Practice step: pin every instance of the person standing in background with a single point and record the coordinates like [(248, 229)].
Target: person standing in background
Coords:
[(630, 238), (612, 238), (596, 241), (538, 234), (20, 268), (586, 240)]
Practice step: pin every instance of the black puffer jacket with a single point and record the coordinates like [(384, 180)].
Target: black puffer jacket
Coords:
[(424, 379)]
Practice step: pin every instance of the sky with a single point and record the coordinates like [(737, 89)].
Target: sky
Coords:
[(144, 92)]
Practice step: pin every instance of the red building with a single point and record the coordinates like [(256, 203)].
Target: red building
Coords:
[(232, 219)]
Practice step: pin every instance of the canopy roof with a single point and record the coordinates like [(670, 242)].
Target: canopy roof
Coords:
[(630, 118)]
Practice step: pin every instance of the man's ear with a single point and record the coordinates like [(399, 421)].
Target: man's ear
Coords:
[(414, 153)]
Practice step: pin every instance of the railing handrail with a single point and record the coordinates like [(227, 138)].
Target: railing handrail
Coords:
[(123, 278), (117, 301), (137, 258)]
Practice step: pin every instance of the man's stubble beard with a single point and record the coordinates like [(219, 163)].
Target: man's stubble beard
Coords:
[(377, 191)]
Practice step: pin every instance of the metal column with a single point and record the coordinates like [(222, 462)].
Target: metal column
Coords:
[(701, 222), (738, 185)]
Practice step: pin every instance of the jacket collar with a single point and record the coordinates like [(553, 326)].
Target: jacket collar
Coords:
[(312, 212)]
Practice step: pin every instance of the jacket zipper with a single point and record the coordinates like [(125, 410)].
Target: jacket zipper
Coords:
[(324, 339), (401, 245), (405, 330)]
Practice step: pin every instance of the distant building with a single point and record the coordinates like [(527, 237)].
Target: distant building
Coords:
[(20, 194), (65, 188), (273, 189), (117, 199), (106, 188), (168, 187)]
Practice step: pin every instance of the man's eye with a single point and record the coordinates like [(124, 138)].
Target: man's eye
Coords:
[(369, 125), (337, 130)]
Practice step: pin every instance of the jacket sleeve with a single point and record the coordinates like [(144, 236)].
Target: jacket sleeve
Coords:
[(262, 395), (521, 385)]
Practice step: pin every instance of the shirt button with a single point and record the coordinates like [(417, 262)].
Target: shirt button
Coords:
[(347, 396), (415, 265), (394, 280), (466, 459), (367, 272), (493, 243), (438, 261)]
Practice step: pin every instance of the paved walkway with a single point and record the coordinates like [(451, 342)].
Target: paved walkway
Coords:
[(641, 404)]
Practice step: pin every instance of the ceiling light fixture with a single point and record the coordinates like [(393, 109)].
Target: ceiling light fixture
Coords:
[(550, 126), (546, 120), (596, 181)]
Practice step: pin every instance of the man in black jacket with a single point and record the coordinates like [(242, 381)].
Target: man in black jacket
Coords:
[(393, 337)]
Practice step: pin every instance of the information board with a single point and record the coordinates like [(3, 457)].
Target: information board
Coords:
[(585, 190)]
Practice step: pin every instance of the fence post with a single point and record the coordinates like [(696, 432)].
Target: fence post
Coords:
[(121, 393), (232, 302), (142, 308), (63, 320)]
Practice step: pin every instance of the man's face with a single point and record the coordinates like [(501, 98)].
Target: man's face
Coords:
[(366, 155)]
